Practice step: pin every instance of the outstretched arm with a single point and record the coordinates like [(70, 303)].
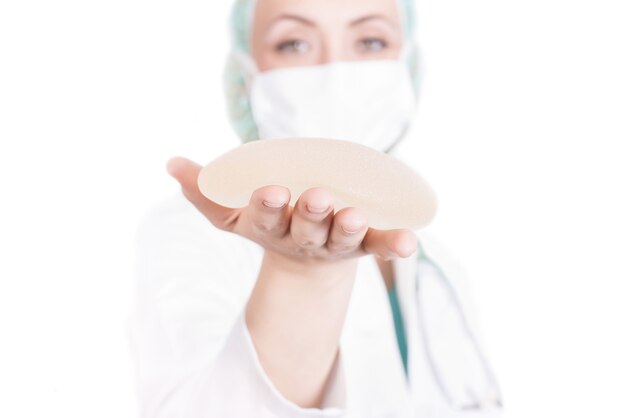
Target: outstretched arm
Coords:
[(298, 305)]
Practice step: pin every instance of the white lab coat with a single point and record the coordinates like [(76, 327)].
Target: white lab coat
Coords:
[(195, 358)]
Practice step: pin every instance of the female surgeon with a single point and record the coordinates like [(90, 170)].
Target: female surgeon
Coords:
[(277, 311)]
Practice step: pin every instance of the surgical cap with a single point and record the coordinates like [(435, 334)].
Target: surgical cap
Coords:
[(236, 74)]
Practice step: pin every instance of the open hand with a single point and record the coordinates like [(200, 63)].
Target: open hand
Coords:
[(310, 231)]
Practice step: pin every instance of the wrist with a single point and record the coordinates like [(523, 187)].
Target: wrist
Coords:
[(309, 270), (295, 315)]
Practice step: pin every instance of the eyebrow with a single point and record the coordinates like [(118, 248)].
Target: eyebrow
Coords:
[(292, 17), (371, 17), (308, 22)]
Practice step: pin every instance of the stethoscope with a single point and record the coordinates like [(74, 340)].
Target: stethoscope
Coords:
[(472, 401)]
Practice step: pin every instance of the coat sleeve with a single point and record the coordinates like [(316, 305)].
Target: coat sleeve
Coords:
[(193, 353)]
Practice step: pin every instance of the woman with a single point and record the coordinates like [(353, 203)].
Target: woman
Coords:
[(279, 311)]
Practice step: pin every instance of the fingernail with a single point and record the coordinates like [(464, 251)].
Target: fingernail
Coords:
[(349, 231), (273, 205), (313, 209)]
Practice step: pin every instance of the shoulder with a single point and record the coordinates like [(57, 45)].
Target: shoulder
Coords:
[(174, 213), (447, 262), (438, 251), (175, 221), (174, 239)]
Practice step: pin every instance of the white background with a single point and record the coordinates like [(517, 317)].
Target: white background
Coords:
[(520, 130)]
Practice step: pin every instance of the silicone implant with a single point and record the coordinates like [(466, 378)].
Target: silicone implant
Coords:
[(391, 193)]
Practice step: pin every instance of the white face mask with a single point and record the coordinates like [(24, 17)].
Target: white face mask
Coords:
[(368, 102)]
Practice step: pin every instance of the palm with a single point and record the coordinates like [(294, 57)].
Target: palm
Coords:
[(309, 231)]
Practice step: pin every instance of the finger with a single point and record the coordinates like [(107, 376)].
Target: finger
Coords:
[(347, 231), (389, 244), (269, 210), (186, 172), (311, 218)]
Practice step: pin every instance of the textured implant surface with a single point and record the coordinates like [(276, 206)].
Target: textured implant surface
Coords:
[(391, 193)]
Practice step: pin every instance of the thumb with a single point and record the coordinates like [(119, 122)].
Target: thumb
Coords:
[(186, 172)]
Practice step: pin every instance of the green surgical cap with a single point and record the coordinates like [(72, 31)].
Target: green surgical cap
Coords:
[(236, 75)]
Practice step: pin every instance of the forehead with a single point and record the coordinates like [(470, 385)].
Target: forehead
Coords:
[(339, 11)]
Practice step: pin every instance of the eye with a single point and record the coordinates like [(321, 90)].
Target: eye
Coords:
[(293, 46), (371, 45)]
